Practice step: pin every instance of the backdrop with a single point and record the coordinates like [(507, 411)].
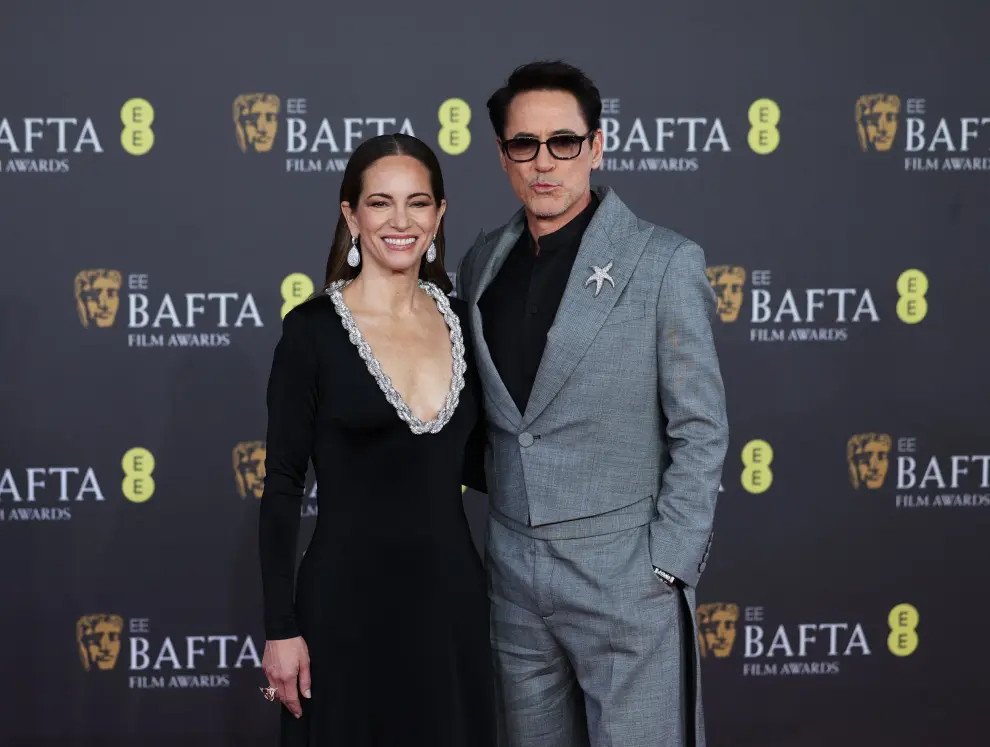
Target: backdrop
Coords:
[(168, 182)]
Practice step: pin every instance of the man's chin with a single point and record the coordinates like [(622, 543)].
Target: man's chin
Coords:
[(545, 209)]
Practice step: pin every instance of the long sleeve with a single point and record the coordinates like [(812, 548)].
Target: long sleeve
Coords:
[(473, 471), (291, 399), (474, 456), (692, 397)]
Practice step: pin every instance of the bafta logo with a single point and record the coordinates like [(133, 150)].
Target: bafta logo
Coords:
[(256, 121), (868, 456), (98, 638), (717, 628), (97, 296), (249, 468), (728, 282), (876, 120)]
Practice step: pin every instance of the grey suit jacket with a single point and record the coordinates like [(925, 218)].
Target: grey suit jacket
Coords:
[(628, 401)]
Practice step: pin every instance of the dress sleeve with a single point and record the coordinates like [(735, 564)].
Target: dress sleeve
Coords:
[(474, 457), (291, 399), (473, 474)]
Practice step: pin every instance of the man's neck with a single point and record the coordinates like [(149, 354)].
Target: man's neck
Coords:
[(539, 227)]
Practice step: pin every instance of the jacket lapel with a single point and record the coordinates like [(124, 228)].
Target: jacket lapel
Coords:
[(612, 238), (493, 384)]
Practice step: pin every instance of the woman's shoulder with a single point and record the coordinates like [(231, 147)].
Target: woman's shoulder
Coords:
[(314, 306), (459, 306), (302, 317)]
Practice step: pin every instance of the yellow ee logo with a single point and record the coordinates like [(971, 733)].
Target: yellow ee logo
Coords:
[(137, 137), (454, 136), (138, 485), (296, 288), (764, 137), (757, 475), (912, 285), (903, 622)]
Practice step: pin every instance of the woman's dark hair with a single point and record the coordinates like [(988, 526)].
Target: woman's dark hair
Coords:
[(365, 155), (546, 75)]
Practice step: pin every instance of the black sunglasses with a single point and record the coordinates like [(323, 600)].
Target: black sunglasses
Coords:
[(561, 147)]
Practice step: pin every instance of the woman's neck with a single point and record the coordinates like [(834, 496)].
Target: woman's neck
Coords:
[(389, 293)]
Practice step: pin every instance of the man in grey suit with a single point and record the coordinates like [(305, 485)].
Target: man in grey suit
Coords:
[(606, 437)]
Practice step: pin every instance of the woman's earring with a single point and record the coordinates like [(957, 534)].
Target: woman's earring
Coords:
[(354, 256), (431, 253)]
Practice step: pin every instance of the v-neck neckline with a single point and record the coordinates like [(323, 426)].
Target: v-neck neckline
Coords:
[(416, 425)]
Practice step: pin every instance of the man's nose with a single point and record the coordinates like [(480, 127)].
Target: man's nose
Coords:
[(544, 161)]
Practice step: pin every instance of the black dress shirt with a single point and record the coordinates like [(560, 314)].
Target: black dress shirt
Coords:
[(519, 306)]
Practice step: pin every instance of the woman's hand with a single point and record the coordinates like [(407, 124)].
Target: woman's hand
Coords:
[(285, 662)]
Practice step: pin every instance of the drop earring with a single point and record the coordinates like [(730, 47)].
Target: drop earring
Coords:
[(354, 256), (431, 253)]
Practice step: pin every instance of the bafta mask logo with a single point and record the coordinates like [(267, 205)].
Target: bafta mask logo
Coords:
[(98, 637), (249, 468), (728, 282), (717, 628), (876, 120), (256, 121), (868, 455), (97, 296)]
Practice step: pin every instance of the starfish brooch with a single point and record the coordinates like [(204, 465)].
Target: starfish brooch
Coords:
[(598, 277)]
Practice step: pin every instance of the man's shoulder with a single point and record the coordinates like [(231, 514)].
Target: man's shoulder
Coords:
[(667, 249), (663, 243), (484, 240), (473, 259), (661, 239)]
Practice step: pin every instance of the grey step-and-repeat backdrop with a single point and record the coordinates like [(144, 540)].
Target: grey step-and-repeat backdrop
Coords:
[(168, 186)]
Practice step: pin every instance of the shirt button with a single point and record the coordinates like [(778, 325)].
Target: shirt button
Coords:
[(525, 439), (533, 308)]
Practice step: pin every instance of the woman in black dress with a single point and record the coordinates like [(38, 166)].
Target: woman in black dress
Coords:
[(383, 637)]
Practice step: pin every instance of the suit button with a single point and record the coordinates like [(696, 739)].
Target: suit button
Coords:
[(525, 439)]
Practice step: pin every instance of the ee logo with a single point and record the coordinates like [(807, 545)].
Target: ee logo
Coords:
[(454, 136), (296, 288), (903, 622), (764, 116), (912, 307), (756, 458), (138, 484), (137, 137)]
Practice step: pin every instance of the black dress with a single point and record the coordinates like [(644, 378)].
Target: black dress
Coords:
[(391, 596)]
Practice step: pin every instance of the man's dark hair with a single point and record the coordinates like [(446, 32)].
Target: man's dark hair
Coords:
[(546, 75)]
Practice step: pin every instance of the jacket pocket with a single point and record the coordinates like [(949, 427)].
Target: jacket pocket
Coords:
[(626, 312)]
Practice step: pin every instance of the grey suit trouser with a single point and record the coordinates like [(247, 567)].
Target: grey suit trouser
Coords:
[(589, 646)]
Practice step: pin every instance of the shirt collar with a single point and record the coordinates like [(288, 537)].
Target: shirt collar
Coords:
[(569, 234)]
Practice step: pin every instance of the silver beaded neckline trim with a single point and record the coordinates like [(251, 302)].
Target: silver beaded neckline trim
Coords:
[(384, 382)]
